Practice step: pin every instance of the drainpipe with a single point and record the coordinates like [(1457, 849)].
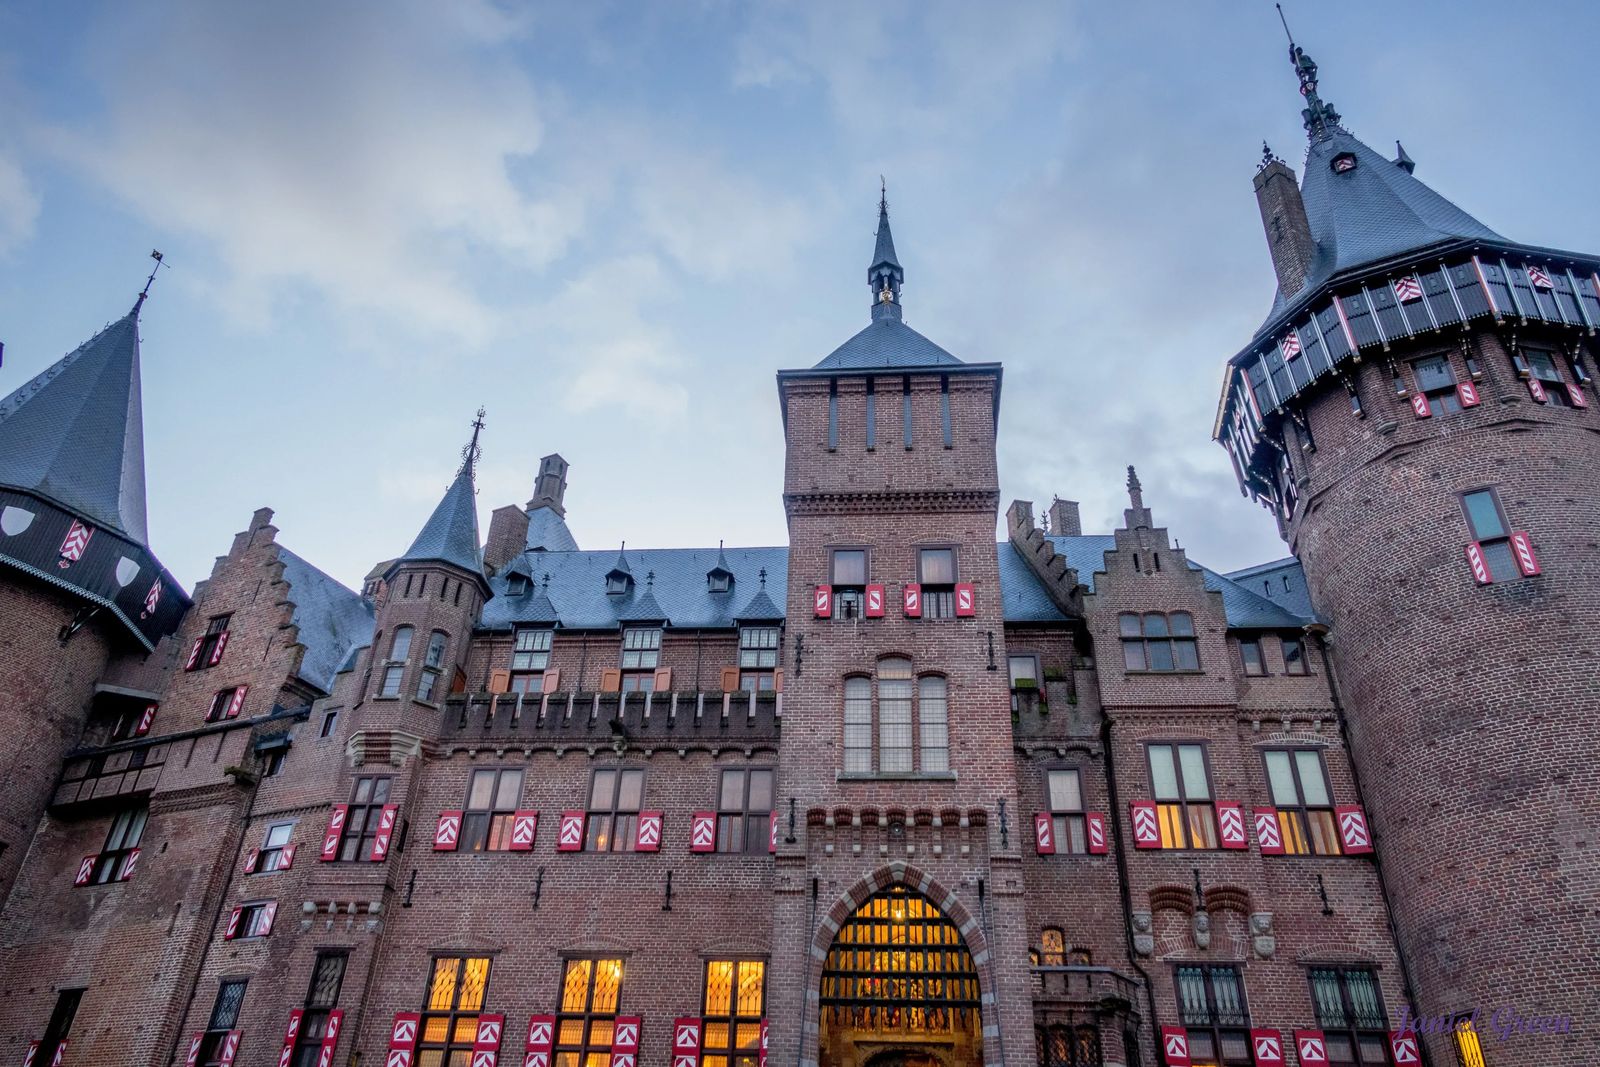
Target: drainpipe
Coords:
[(988, 933), (1122, 878), (805, 987)]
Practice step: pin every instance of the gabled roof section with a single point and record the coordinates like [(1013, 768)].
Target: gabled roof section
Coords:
[(451, 533), (887, 344), (1282, 581), (547, 531), (74, 434), (333, 621)]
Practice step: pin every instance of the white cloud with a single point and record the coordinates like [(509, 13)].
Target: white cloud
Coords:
[(19, 206)]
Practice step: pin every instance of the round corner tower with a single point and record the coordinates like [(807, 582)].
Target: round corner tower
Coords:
[(1418, 414)]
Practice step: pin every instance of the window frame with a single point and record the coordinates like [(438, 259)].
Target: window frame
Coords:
[(1144, 640), (111, 863), (358, 832), (489, 829), (1555, 386), (1070, 825), (586, 1017), (1183, 802), (59, 1028), (218, 711), (758, 676), (216, 626), (736, 1053), (313, 1013), (640, 678), (1304, 659), (1260, 670), (1237, 1027), (453, 1015), (1351, 1030), (753, 823), (216, 1032), (1442, 399), (615, 841), (1497, 552), (861, 761), (939, 598), (268, 855), (531, 669), (1296, 832), (849, 598), (251, 915), (432, 666)]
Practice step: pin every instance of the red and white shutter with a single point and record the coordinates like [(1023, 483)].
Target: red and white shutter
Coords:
[(447, 831), (85, 870), (330, 1037), (285, 857), (1269, 835), (403, 1038), (772, 832), (1354, 834), (1044, 834), (250, 860), (703, 832), (1175, 1046), (524, 828), (1536, 387), (1419, 406), (1312, 1048), (874, 605), (569, 837), (1094, 823), (230, 1048), (1576, 395), (541, 1042), (237, 703), (290, 1035), (1403, 1043), (761, 1058), (1230, 826), (128, 865), (1480, 566), (1467, 393), (1522, 552), (647, 832), (625, 1041), (232, 930), (217, 649), (966, 599), (486, 1045), (33, 1051), (822, 601), (912, 597), (385, 833), (1407, 289), (195, 1040), (61, 1053), (194, 654), (267, 914), (145, 720), (1538, 278), (685, 1042), (76, 541), (1146, 827), (330, 839), (1266, 1047)]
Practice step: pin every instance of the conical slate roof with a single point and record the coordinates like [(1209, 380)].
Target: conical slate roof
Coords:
[(75, 433), (883, 251), (451, 533)]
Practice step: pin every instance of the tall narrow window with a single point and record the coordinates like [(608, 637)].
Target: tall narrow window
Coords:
[(1183, 796), (367, 798), (224, 1017), (1250, 655), (872, 414), (1294, 655), (1211, 1007), (1487, 521), (1542, 365), (858, 725), (894, 716), (121, 841), (615, 795), (944, 411), (327, 978), (530, 658), (936, 570), (641, 655), (591, 989), (492, 799), (208, 652), (933, 724), (1299, 784), (758, 657), (744, 809), (394, 671), (59, 1027), (1350, 1013), (833, 414), (1065, 788), (456, 994), (735, 1001), (847, 573), (905, 409), (270, 858), (432, 665)]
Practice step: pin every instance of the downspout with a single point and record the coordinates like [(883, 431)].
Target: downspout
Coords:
[(1320, 633), (999, 1030), (1122, 877), (805, 987)]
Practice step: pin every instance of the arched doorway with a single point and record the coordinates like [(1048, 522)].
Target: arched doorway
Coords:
[(899, 988)]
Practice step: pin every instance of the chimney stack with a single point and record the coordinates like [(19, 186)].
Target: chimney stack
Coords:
[(1283, 216), (1064, 519)]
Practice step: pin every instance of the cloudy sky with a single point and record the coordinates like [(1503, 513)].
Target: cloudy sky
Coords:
[(611, 223)]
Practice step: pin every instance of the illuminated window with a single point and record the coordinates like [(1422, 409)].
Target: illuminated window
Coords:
[(1469, 1050), (734, 1004), (456, 992), (1350, 1013), (1052, 948), (1300, 792), (492, 799), (614, 799), (744, 810), (1064, 787), (1211, 1007), (1157, 642), (1064, 1046), (590, 990), (1182, 790), (367, 798)]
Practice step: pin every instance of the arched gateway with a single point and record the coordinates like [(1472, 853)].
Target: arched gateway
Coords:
[(899, 988)]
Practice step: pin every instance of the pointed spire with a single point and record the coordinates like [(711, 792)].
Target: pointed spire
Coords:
[(470, 454), (885, 275), (1135, 490), (1403, 161), (451, 533), (1319, 117), (1136, 516)]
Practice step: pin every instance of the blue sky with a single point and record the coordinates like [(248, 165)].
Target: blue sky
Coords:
[(610, 224)]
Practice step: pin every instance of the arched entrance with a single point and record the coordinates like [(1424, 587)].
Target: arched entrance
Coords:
[(899, 988)]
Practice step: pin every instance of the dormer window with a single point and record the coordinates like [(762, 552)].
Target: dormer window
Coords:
[(517, 585), (618, 583), (719, 580), (1344, 163)]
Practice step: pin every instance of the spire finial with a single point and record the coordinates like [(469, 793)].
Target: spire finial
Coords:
[(885, 274), (470, 454), (1135, 490), (1403, 161), (1319, 116), (763, 576), (145, 292), (883, 196)]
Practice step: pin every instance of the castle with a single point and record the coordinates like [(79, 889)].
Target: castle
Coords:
[(894, 794)]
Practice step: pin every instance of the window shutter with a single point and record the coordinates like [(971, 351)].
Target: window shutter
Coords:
[(1354, 833), (128, 865), (232, 930), (1269, 835), (285, 858), (777, 680), (761, 1058), (29, 1056), (625, 1041), (1575, 394), (330, 1037), (1467, 393), (966, 600), (1522, 550), (541, 1040), (268, 914), (499, 681), (569, 837), (1044, 834), (1419, 406), (238, 701), (330, 839), (730, 679), (1312, 1048), (1175, 1046), (822, 601), (290, 1035), (524, 829), (380, 840), (194, 654), (486, 1046), (662, 682), (217, 649), (85, 870), (911, 596), (702, 832), (1146, 827), (145, 720), (772, 832), (611, 681), (1266, 1046), (647, 832), (685, 1041), (1230, 826), (447, 831), (195, 1041), (1480, 566), (250, 861), (551, 682), (1536, 387), (1403, 1043), (873, 609), (403, 1038), (230, 1046), (1095, 823)]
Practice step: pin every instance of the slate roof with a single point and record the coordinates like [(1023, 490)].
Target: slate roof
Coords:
[(333, 621), (1282, 581), (547, 530), (451, 533), (1370, 214), (883, 250), (887, 343), (74, 434)]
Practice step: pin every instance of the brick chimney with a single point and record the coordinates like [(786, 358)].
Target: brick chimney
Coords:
[(1064, 519), (508, 535), (1283, 216), (551, 485)]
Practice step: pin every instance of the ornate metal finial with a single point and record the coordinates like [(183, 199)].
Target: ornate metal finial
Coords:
[(1268, 157), (883, 196), (470, 454), (1318, 116), (145, 292), (763, 576), (649, 579)]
